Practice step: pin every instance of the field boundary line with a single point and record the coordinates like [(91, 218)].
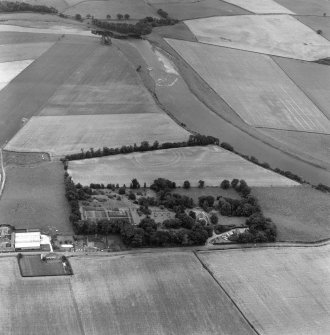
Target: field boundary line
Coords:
[(294, 130), (76, 309), (298, 86), (226, 293), (3, 174), (263, 140)]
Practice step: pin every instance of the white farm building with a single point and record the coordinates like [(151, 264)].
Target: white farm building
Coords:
[(27, 241)]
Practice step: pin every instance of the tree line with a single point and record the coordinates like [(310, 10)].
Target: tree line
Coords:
[(194, 140), (9, 6), (142, 27)]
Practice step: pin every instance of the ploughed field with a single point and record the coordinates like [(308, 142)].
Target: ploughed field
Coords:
[(211, 164), (242, 79), (61, 135), (132, 294), (280, 291), (280, 35)]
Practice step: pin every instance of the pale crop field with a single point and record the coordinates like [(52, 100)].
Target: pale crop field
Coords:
[(242, 79), (61, 135), (10, 70), (137, 9), (22, 51), (185, 10), (280, 35), (211, 164), (261, 6), (35, 305), (105, 83), (313, 79), (152, 294), (280, 291)]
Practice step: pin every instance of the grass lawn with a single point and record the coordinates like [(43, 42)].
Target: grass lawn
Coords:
[(300, 213), (33, 266)]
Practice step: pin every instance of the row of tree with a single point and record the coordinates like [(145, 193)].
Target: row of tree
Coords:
[(9, 6), (147, 233), (194, 140), (142, 27)]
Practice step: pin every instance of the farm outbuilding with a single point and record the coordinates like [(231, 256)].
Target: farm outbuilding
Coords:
[(27, 241)]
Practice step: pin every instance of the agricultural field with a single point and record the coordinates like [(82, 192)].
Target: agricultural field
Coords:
[(9, 70), (105, 83), (313, 79), (33, 197), (300, 213), (279, 35), (9, 38), (137, 9), (317, 23), (179, 31), (42, 27), (60, 5), (211, 164), (242, 79), (32, 266), (314, 146), (26, 303), (44, 76), (162, 293), (22, 51), (61, 135), (307, 7), (261, 7), (281, 291), (184, 10)]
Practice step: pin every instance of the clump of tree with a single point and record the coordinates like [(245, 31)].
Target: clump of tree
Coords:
[(162, 13), (9, 6), (194, 140), (260, 230), (323, 188), (78, 17), (74, 193)]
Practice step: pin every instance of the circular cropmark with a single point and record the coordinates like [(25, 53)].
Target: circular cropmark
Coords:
[(159, 160)]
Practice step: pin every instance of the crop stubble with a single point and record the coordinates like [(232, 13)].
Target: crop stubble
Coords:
[(152, 293), (281, 291), (211, 164), (279, 35), (60, 135), (242, 79)]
